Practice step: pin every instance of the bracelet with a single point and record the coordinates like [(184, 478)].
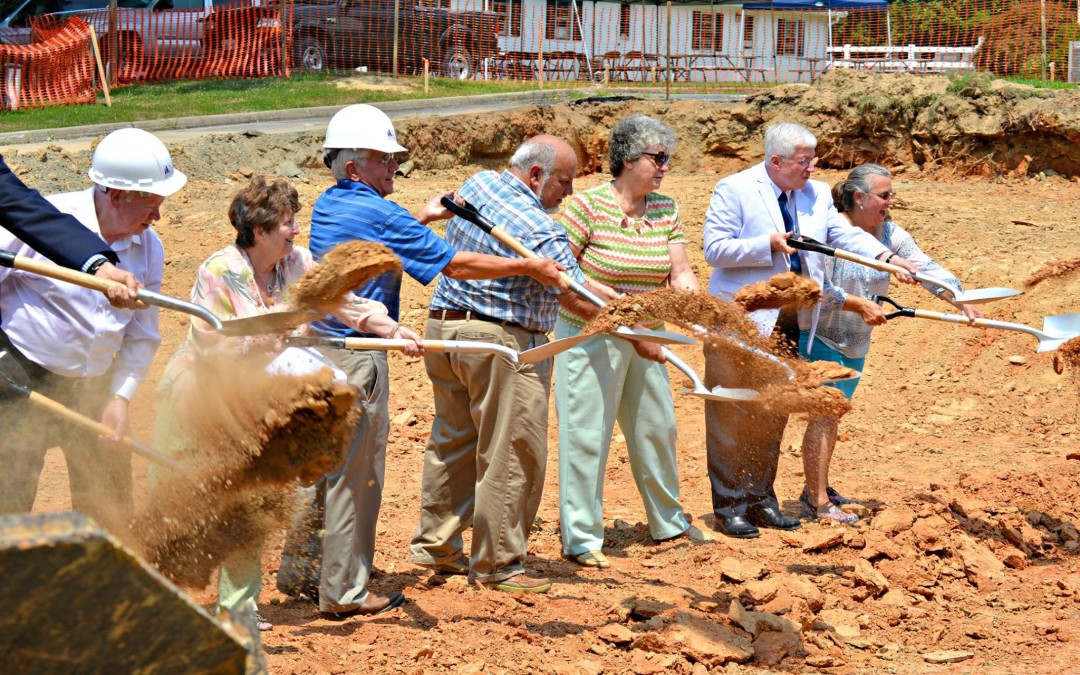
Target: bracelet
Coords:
[(118, 397), (396, 329), (891, 256)]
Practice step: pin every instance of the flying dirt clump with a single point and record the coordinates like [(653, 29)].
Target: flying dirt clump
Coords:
[(737, 338), (348, 266), (779, 291), (1056, 268), (245, 442), (1068, 354)]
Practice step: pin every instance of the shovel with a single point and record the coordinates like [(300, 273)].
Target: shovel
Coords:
[(1056, 329), (459, 346), (537, 354), (470, 214), (45, 403), (970, 297), (274, 322)]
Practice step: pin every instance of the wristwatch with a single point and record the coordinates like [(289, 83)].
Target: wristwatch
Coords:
[(96, 265)]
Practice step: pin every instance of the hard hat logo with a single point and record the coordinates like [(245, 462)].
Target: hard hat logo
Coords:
[(133, 159)]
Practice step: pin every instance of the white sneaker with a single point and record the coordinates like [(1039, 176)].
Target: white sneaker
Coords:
[(695, 534)]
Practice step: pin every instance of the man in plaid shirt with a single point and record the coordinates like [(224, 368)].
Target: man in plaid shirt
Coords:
[(485, 461)]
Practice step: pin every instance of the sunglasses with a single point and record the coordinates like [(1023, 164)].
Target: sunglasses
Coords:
[(386, 159), (658, 158), (885, 196)]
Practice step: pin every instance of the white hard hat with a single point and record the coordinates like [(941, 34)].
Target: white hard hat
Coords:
[(133, 159), (359, 127)]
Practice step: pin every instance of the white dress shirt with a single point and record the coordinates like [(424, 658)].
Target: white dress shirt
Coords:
[(73, 331)]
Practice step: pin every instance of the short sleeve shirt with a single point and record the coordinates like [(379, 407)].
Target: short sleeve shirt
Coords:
[(352, 210), (631, 255)]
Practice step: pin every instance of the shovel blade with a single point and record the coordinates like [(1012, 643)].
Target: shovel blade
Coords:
[(722, 394), (978, 296), (274, 322), (1062, 325), (660, 337)]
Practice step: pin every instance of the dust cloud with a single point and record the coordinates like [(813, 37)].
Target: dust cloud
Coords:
[(348, 266)]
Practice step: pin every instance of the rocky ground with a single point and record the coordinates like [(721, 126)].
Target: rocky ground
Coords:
[(963, 443)]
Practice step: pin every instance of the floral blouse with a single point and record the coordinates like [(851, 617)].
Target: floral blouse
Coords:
[(846, 332), (225, 285)]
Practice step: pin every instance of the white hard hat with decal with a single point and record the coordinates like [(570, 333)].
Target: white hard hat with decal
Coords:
[(361, 127), (133, 159)]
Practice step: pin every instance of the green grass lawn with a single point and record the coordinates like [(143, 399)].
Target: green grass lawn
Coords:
[(214, 97)]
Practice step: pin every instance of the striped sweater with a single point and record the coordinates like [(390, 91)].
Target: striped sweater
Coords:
[(629, 254)]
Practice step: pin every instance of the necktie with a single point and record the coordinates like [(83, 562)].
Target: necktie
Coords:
[(789, 226)]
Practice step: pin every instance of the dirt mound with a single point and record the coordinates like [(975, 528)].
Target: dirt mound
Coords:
[(782, 290), (1057, 268), (1069, 355), (342, 269)]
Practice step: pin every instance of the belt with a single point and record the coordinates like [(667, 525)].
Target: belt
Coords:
[(458, 315)]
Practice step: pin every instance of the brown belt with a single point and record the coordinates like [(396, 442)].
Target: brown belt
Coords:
[(458, 315)]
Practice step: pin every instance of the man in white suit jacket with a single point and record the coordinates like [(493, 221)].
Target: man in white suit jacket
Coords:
[(746, 237)]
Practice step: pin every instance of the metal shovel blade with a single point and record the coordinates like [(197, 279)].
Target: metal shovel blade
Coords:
[(660, 337), (701, 391), (978, 296), (274, 322)]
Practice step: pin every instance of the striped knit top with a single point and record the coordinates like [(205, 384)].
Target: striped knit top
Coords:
[(629, 254)]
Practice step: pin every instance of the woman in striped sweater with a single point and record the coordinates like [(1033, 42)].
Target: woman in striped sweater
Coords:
[(629, 237)]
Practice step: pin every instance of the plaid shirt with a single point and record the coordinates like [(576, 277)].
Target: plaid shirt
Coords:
[(507, 202)]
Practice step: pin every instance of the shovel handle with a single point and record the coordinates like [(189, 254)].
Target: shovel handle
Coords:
[(85, 422), (468, 212), (9, 259), (807, 244)]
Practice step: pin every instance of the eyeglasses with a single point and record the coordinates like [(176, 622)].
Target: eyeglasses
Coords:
[(659, 158), (804, 163), (885, 196), (386, 159)]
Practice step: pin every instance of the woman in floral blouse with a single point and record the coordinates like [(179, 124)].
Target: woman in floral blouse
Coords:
[(843, 335), (246, 279)]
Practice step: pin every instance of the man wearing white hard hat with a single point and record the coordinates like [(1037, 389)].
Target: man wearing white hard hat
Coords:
[(360, 151), (67, 343)]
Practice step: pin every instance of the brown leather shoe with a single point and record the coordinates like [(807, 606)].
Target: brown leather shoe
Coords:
[(374, 605), (521, 584)]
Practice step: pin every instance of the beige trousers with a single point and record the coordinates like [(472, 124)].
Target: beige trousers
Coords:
[(485, 461)]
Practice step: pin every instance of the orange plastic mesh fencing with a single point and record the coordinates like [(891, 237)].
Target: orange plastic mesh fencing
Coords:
[(58, 68), (688, 46), (170, 42)]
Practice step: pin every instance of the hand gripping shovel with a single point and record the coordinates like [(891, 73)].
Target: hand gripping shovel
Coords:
[(1056, 329), (470, 214), (274, 322), (45, 403), (459, 346), (973, 296)]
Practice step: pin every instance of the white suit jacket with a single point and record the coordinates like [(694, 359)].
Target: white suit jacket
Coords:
[(744, 213)]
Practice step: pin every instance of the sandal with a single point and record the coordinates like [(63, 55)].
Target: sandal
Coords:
[(262, 624), (832, 512), (839, 499)]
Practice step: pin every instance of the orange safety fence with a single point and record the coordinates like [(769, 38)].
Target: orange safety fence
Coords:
[(680, 46), (57, 68)]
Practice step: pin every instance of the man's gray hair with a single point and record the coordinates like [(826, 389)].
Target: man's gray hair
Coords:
[(632, 135), (784, 138), (534, 153), (858, 181), (336, 159)]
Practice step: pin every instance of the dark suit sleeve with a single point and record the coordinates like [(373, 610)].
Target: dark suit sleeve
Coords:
[(57, 236)]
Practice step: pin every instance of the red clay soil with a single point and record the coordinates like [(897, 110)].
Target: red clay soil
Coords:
[(966, 548)]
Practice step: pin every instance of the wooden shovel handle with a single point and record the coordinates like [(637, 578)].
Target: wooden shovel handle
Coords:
[(45, 269), (85, 422), (386, 344)]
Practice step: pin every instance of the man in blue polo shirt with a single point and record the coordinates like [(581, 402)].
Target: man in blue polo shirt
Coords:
[(359, 151)]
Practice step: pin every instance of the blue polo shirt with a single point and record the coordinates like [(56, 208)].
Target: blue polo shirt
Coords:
[(351, 210)]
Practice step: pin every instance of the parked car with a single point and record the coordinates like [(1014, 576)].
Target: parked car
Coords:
[(348, 34), (15, 15)]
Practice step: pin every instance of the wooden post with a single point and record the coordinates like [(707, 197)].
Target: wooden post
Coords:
[(286, 30), (427, 73), (100, 66), (1042, 61), (394, 67), (540, 54), (667, 56), (114, 44)]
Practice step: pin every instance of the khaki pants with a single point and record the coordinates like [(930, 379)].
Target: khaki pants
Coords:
[(353, 495), (99, 475), (485, 461)]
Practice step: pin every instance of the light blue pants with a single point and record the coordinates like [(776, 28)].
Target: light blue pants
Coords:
[(598, 382)]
